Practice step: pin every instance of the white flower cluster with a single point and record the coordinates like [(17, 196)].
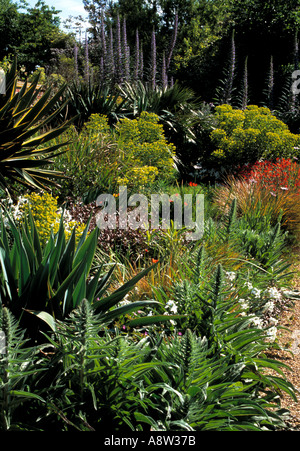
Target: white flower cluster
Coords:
[(230, 275), (171, 307), (273, 293), (268, 298), (17, 210)]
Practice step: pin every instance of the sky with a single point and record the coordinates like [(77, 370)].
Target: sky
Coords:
[(67, 7)]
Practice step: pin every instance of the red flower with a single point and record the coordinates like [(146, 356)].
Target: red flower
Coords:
[(154, 260), (193, 184), (274, 175)]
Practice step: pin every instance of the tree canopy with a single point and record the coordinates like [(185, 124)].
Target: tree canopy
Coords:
[(30, 32)]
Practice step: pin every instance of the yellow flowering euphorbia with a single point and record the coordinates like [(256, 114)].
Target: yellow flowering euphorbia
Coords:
[(248, 135), (147, 154), (47, 215)]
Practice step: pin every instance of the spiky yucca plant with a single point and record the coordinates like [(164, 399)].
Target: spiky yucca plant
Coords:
[(24, 116)]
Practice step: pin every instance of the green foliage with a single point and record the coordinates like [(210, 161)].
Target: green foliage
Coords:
[(245, 136), (205, 392), (18, 371), (46, 215), (104, 374), (48, 282), (30, 34), (23, 119), (147, 154), (177, 110), (90, 162), (93, 381), (85, 99)]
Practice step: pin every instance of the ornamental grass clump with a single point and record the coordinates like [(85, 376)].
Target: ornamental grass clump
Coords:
[(281, 181), (266, 190)]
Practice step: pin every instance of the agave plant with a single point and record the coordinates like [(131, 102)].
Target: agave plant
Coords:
[(24, 116), (48, 282)]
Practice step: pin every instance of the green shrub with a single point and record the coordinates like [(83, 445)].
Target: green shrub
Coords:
[(48, 282), (245, 136), (91, 160), (146, 152)]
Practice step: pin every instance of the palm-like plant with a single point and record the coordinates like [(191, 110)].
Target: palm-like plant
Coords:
[(85, 99), (176, 106), (24, 116)]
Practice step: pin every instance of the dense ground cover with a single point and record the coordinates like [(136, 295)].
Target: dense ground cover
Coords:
[(134, 329)]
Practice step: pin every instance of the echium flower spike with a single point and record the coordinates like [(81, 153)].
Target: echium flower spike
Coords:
[(126, 51), (231, 71), (137, 56), (87, 63), (271, 85), (153, 61), (76, 62), (103, 58), (111, 60), (102, 72), (296, 67), (141, 64), (245, 97), (296, 52), (119, 68), (164, 73), (173, 41)]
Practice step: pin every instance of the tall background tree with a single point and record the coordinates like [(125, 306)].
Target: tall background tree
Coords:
[(30, 32)]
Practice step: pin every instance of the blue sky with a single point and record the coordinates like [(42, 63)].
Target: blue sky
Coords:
[(67, 7)]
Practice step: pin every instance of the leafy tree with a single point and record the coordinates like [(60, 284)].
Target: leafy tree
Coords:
[(39, 29), (264, 30), (9, 19), (31, 33)]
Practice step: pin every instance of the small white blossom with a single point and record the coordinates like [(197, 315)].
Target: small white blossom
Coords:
[(256, 321), (273, 293), (248, 285), (256, 292), (272, 333), (269, 306), (273, 321), (244, 304), (171, 306), (230, 275)]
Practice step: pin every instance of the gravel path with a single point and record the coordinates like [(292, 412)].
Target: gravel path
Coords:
[(290, 340)]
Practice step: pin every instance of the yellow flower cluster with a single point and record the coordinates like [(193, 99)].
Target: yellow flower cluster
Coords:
[(97, 123), (47, 216), (139, 176), (251, 134), (147, 153)]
